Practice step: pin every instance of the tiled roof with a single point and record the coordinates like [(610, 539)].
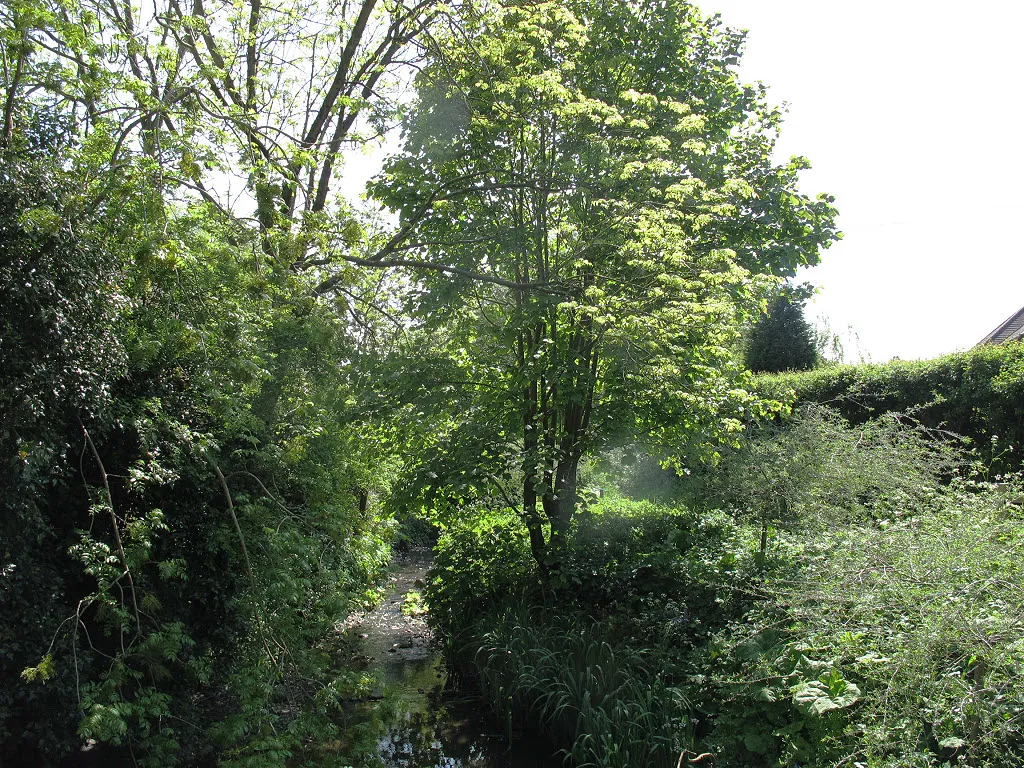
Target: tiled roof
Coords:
[(1010, 329)]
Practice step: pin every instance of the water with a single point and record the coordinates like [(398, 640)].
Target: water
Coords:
[(415, 718), (421, 720)]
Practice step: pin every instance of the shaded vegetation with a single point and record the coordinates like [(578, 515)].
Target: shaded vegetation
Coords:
[(226, 392), (164, 529)]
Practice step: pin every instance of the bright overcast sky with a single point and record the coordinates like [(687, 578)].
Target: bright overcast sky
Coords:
[(911, 113)]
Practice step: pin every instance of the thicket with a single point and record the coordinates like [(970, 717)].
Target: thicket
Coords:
[(977, 394), (190, 474), (578, 656), (876, 623), (181, 518)]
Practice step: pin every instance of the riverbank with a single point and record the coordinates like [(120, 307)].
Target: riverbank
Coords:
[(422, 720)]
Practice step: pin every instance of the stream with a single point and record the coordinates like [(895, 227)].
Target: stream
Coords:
[(422, 721)]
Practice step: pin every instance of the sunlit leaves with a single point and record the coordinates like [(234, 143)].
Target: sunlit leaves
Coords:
[(603, 185)]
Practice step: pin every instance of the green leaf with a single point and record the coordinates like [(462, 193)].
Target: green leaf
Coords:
[(43, 672), (815, 697)]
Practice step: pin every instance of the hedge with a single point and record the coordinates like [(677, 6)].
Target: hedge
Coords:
[(978, 394)]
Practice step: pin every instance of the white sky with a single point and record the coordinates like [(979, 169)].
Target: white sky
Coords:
[(911, 113)]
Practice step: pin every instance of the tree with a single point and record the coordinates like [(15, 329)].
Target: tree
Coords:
[(782, 339), (604, 169), (249, 103), (184, 485)]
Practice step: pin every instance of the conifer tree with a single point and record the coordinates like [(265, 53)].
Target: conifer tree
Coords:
[(782, 340)]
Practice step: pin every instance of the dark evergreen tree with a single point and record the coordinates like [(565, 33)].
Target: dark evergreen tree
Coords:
[(782, 340)]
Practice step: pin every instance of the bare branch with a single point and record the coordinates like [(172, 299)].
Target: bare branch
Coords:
[(113, 521)]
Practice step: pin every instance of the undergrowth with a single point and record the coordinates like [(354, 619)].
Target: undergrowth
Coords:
[(875, 624)]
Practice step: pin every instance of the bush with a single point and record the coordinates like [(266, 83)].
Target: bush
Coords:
[(589, 655), (923, 617), (978, 394), (815, 470), (886, 624), (644, 567), (603, 700), (59, 357), (138, 454), (482, 562), (632, 473), (881, 628)]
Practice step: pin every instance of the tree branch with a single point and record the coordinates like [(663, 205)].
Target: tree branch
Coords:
[(12, 93), (113, 522), (329, 284)]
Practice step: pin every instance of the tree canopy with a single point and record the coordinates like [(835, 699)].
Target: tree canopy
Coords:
[(624, 211)]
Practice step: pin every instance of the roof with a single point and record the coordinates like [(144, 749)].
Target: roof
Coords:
[(1010, 329)]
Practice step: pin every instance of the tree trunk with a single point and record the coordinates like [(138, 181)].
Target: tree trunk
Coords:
[(534, 524), (538, 546), (564, 500)]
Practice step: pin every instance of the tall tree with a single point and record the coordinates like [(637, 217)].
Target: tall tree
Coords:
[(601, 165), (782, 339)]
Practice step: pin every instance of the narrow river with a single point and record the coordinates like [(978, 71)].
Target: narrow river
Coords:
[(421, 721)]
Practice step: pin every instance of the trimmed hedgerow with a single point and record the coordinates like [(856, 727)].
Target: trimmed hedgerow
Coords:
[(978, 394)]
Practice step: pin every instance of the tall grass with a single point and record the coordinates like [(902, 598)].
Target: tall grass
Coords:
[(609, 704)]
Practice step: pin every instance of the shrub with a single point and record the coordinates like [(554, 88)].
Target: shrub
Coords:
[(881, 628), (815, 469), (134, 613), (643, 567), (604, 701), (482, 562), (978, 394), (590, 655)]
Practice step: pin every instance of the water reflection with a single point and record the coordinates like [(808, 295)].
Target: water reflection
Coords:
[(416, 719), (437, 727)]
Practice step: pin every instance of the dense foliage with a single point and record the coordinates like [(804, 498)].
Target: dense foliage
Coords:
[(782, 339), (165, 528), (189, 491), (57, 321), (880, 626), (977, 394)]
